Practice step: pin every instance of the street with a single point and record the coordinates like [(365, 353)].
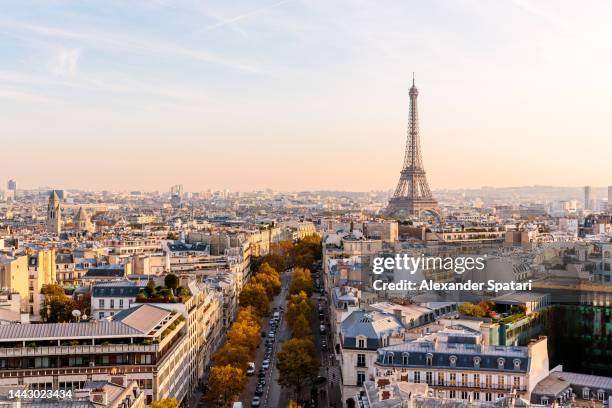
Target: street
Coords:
[(272, 396)]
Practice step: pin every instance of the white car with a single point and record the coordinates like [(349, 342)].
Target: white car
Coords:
[(265, 364), (251, 369), (256, 401)]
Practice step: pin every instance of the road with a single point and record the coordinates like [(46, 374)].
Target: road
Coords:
[(272, 397)]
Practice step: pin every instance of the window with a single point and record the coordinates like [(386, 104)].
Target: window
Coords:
[(601, 395), (488, 381), (440, 378), (464, 379), (390, 358), (112, 303), (429, 378), (452, 394), (500, 363), (100, 303), (476, 380), (464, 395), (476, 396), (417, 377), (488, 397), (453, 379), (361, 360), (121, 303), (360, 378), (429, 359), (517, 382), (361, 343), (452, 360), (501, 381), (476, 362), (404, 359), (100, 315), (586, 393), (517, 364)]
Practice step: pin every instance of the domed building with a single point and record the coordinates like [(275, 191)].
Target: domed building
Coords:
[(81, 222)]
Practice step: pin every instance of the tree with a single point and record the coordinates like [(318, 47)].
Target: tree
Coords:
[(165, 403), (293, 404), (270, 282), (150, 288), (297, 364), (224, 383), (171, 281), (248, 314), (53, 290), (234, 355), (302, 281), (254, 294), (301, 327), (298, 305), (244, 334)]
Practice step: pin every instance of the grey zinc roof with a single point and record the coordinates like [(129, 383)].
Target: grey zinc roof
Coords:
[(116, 291), (370, 324), (143, 318), (594, 382), (554, 384), (464, 353), (60, 331)]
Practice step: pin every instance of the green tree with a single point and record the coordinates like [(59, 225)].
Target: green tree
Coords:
[(165, 403), (171, 281), (297, 364), (225, 383), (150, 288)]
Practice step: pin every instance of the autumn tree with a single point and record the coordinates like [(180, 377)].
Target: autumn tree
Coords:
[(293, 404), (271, 283), (298, 305), (244, 334), (297, 364), (57, 306), (301, 282), (301, 327), (225, 383), (254, 294), (235, 355), (165, 403)]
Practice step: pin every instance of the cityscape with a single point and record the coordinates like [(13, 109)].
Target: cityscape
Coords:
[(272, 274)]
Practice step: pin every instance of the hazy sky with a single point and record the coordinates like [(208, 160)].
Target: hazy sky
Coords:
[(303, 94)]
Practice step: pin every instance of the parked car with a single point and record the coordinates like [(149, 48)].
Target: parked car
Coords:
[(259, 390), (271, 334), (322, 329), (251, 368), (265, 364), (256, 401)]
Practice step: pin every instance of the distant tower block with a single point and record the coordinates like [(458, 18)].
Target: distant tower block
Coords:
[(412, 196), (54, 214)]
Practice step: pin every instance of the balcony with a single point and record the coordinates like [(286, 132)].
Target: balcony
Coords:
[(76, 350)]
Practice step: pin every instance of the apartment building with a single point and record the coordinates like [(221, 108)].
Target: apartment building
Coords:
[(146, 344), (456, 366)]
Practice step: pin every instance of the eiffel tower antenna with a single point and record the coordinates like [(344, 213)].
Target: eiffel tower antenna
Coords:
[(412, 196)]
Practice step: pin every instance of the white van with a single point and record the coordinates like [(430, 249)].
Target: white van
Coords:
[(237, 405)]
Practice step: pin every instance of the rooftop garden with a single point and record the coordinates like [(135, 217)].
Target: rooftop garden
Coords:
[(171, 292), (488, 309)]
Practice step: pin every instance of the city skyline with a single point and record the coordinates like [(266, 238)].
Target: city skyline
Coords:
[(288, 96)]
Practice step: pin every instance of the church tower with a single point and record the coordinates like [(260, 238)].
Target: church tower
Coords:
[(54, 214)]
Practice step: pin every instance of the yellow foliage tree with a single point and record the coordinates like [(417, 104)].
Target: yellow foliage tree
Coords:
[(225, 383), (165, 403), (254, 294)]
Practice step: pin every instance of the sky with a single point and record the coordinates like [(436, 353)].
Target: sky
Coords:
[(303, 95)]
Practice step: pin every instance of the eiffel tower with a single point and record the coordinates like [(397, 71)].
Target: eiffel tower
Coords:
[(412, 196)]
